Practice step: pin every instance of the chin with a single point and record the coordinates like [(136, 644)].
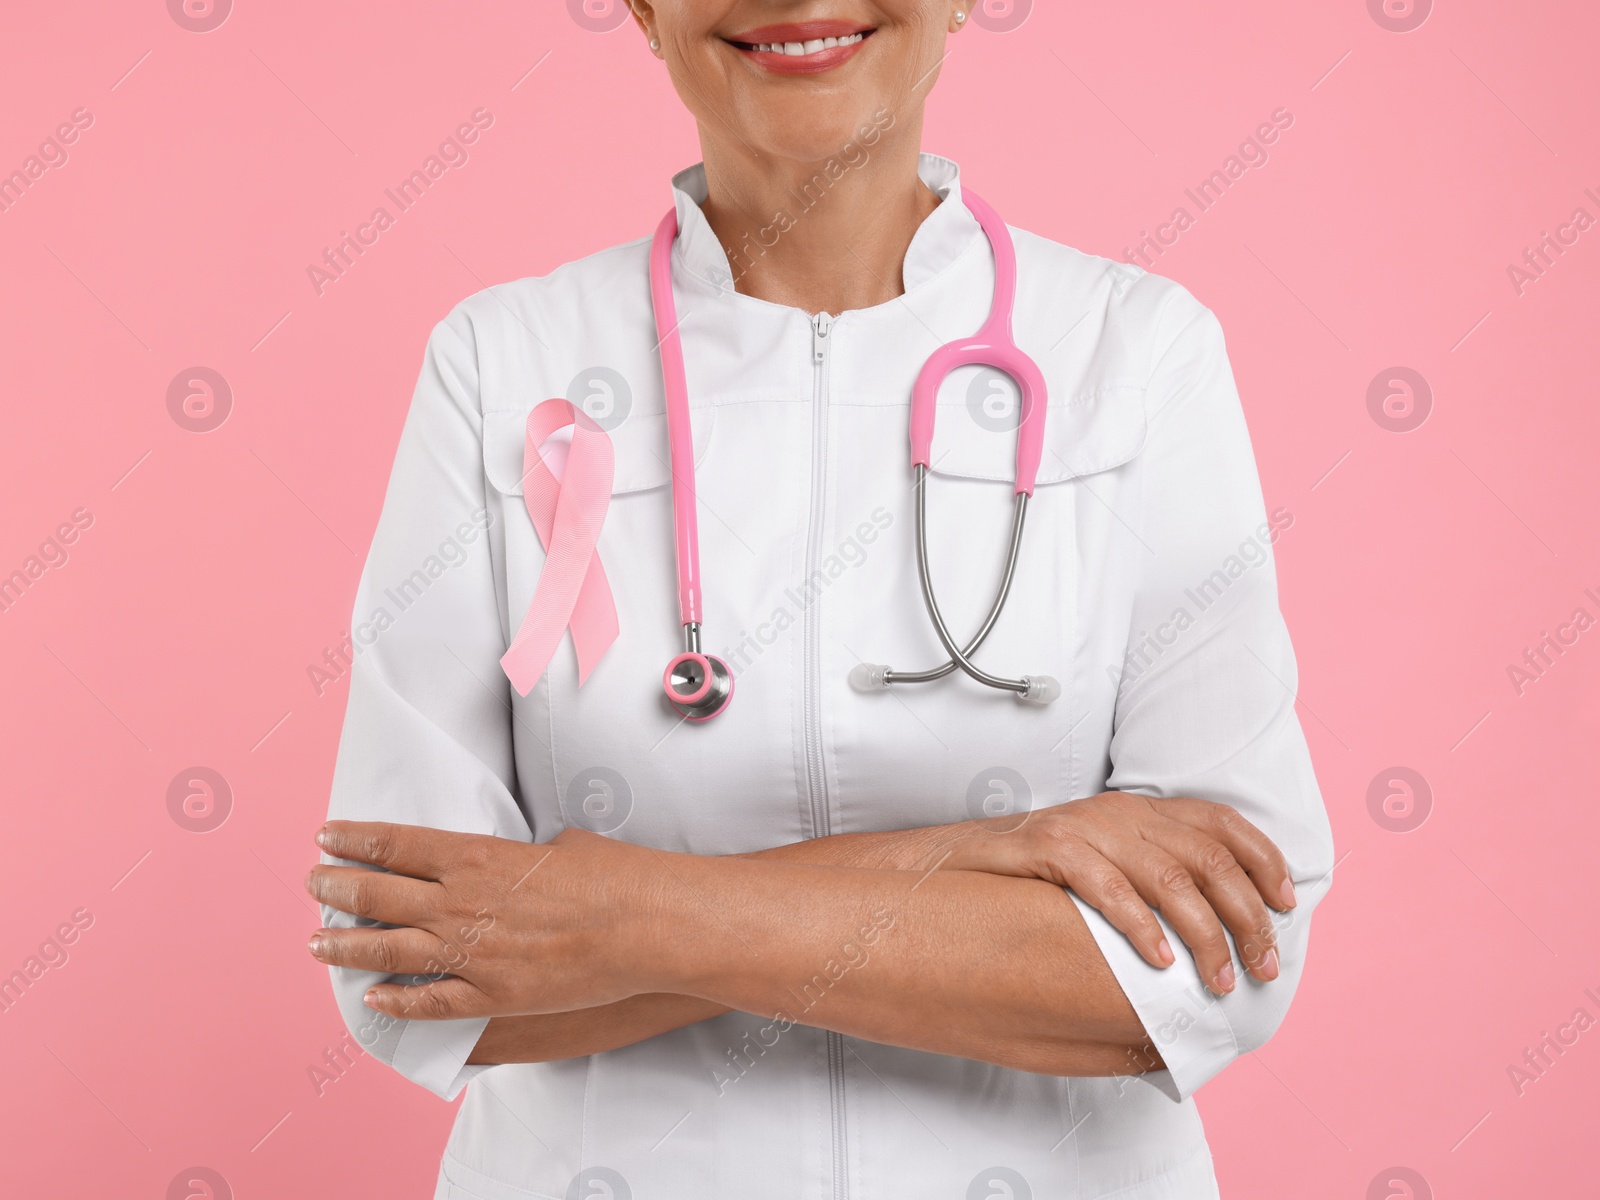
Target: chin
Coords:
[(816, 133)]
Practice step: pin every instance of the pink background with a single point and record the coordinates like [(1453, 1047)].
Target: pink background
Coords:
[(219, 565)]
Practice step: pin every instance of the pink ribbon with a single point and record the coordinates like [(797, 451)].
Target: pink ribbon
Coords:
[(567, 514)]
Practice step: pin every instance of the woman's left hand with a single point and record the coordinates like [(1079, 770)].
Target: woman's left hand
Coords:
[(520, 928)]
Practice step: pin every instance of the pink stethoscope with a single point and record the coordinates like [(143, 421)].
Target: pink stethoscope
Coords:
[(700, 685)]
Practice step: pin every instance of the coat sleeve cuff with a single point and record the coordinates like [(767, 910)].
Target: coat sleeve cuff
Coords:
[(1183, 1019), (434, 1054)]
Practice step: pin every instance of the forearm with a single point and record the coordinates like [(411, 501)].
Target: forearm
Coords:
[(1105, 1040), (993, 968), (990, 959), (551, 1036), (892, 850)]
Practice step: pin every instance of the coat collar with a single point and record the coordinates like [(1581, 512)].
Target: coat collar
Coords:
[(940, 239)]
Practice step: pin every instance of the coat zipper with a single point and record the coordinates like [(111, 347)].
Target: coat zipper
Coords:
[(816, 781)]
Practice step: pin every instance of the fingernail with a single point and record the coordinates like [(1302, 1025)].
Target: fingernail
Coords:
[(322, 837), (1225, 978), (315, 944), (1164, 952), (370, 999), (1269, 964), (1287, 891)]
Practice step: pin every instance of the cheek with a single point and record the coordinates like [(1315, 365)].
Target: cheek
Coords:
[(921, 39), (703, 73)]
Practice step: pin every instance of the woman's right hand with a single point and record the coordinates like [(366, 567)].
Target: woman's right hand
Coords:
[(1200, 863)]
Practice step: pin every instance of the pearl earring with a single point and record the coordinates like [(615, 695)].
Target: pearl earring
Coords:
[(961, 18), (655, 43)]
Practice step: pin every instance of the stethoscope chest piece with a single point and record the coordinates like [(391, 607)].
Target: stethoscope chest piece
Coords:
[(698, 686)]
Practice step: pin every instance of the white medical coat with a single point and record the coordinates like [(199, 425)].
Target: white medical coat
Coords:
[(1146, 586)]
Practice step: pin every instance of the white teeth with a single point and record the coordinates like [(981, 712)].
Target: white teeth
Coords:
[(814, 46)]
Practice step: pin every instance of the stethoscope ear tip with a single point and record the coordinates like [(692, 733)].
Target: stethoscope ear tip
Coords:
[(1042, 689), (869, 677)]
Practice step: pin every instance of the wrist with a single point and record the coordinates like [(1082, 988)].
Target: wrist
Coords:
[(938, 847), (670, 934)]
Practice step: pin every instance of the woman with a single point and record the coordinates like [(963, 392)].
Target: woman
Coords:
[(832, 943)]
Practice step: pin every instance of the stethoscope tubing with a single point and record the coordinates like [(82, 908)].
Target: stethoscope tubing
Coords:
[(993, 345), (680, 432)]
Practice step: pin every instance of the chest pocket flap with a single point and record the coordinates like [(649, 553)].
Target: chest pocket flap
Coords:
[(975, 433), (638, 445)]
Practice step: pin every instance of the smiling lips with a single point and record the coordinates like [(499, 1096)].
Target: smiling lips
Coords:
[(803, 49)]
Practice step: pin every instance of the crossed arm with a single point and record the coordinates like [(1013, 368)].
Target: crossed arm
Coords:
[(955, 939)]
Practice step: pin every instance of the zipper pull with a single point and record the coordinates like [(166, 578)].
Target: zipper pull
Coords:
[(820, 324)]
